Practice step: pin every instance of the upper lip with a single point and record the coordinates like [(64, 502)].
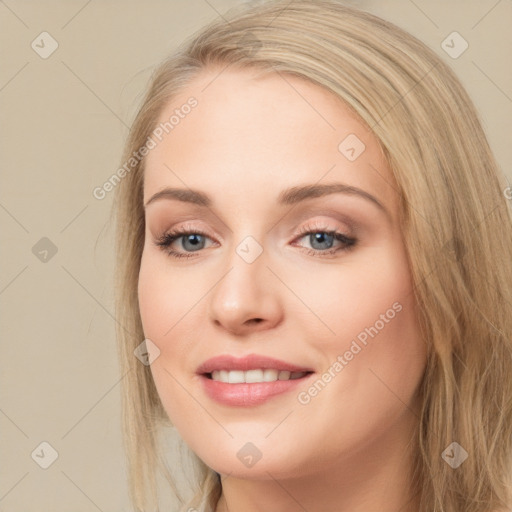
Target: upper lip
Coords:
[(249, 362)]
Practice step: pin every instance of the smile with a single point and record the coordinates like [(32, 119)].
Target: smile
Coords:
[(254, 376)]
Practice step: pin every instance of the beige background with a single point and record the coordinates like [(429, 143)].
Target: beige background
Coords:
[(64, 122)]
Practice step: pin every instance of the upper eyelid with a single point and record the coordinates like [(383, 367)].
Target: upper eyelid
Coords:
[(313, 224), (336, 221), (300, 212)]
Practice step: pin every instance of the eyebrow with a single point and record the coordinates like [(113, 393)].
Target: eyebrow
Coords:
[(288, 196)]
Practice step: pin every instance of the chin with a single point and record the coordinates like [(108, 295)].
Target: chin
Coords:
[(250, 463)]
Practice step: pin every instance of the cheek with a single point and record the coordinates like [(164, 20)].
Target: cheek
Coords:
[(378, 336), (367, 308), (164, 301), (375, 360), (164, 296), (367, 288)]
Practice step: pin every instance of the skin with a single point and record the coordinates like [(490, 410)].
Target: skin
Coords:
[(249, 138)]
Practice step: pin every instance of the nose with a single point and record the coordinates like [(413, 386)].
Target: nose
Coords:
[(246, 298)]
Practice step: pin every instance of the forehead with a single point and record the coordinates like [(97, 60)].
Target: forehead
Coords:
[(252, 132)]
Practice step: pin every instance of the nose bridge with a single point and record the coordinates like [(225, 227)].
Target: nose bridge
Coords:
[(247, 239), (246, 272)]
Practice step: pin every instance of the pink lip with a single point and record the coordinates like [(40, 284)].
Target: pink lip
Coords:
[(244, 394), (249, 362)]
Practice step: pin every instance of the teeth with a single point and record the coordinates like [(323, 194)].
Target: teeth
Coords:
[(269, 375), (236, 377), (252, 376)]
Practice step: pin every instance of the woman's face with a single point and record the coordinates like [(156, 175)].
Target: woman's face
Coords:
[(261, 274)]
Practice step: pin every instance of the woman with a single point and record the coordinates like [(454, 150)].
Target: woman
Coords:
[(314, 244)]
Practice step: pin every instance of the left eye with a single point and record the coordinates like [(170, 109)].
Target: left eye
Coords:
[(323, 240)]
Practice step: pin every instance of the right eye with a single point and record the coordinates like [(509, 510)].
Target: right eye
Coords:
[(195, 240)]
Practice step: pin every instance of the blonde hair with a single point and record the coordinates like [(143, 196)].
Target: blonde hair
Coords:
[(455, 220)]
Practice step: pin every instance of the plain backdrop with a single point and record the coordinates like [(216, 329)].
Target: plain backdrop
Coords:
[(64, 120)]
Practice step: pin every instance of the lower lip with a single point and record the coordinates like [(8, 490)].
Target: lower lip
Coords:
[(246, 395)]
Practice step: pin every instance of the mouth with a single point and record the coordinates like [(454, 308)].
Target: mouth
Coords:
[(251, 380)]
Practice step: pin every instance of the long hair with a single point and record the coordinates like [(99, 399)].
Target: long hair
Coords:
[(455, 219)]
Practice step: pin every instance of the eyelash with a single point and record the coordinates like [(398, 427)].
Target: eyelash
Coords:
[(165, 241)]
